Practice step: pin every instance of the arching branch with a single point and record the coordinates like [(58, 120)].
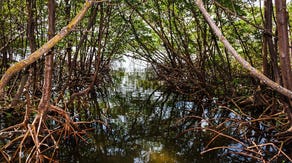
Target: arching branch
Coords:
[(44, 49), (256, 73)]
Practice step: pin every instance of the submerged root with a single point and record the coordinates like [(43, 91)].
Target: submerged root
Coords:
[(257, 135), (39, 141)]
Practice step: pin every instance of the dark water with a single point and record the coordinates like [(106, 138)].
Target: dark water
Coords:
[(144, 123)]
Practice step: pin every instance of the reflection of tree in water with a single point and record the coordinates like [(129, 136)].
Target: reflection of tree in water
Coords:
[(144, 125), (236, 134), (139, 125)]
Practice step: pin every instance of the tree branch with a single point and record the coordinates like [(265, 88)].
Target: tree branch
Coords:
[(253, 71), (44, 49)]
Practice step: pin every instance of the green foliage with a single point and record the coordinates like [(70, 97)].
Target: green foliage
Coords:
[(146, 84), (163, 32), (234, 5)]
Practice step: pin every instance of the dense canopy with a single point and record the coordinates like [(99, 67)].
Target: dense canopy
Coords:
[(57, 55)]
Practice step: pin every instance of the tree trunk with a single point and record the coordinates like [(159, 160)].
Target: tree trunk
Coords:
[(46, 96), (69, 43), (3, 42), (31, 30), (244, 63), (44, 49), (283, 44), (268, 41), (30, 34), (83, 39)]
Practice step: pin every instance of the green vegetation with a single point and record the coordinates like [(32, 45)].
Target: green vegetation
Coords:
[(184, 54)]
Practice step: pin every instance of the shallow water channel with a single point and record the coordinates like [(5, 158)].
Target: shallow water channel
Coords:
[(141, 125), (142, 122)]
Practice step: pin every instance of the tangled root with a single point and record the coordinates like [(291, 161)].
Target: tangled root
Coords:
[(39, 141)]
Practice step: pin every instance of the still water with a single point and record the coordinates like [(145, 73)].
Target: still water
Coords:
[(140, 121), (145, 123), (141, 124)]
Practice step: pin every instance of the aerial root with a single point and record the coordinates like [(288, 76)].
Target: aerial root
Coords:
[(33, 141), (241, 128)]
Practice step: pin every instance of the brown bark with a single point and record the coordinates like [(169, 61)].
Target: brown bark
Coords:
[(97, 65), (44, 49), (269, 46), (46, 96), (83, 39), (30, 33), (20, 89), (243, 18), (283, 43), (31, 30), (241, 60), (31, 24), (69, 44), (265, 58)]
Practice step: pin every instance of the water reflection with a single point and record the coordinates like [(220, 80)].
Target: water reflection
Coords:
[(146, 124), (142, 126), (142, 122)]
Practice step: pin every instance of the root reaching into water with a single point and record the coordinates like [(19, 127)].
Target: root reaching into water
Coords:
[(39, 141), (259, 136)]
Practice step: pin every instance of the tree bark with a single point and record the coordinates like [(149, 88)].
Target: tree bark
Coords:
[(31, 30), (256, 73), (83, 39), (30, 34), (69, 43), (49, 60), (44, 49), (283, 44), (98, 62), (268, 40), (3, 42)]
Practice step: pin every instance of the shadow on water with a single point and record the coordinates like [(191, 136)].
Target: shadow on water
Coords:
[(140, 126), (142, 123)]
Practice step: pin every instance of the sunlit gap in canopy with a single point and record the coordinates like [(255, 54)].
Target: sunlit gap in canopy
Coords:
[(257, 3), (130, 64)]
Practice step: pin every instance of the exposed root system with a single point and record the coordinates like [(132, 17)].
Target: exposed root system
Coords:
[(40, 140)]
